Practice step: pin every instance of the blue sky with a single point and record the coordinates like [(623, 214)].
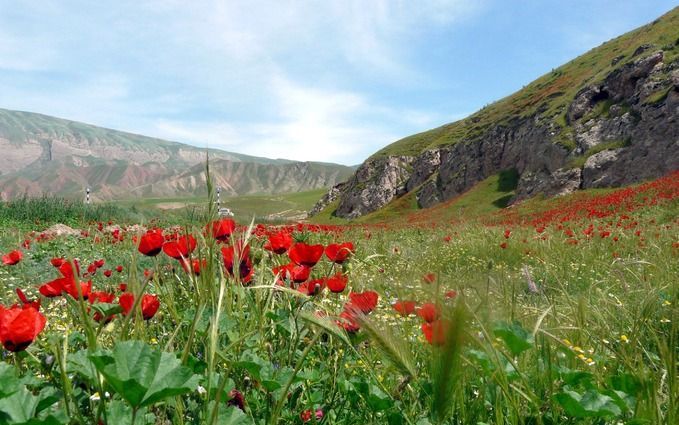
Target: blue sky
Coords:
[(310, 80)]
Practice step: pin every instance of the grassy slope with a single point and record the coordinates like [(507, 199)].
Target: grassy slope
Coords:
[(551, 93), (244, 207)]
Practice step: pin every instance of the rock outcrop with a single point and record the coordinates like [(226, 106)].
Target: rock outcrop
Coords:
[(620, 130)]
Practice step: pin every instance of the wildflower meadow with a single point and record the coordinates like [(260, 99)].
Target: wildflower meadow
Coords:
[(561, 311)]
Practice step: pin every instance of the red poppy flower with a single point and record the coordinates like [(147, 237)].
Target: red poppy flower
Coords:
[(312, 287), (503, 245), (151, 243), (278, 242), (338, 253), (229, 254), (99, 263), (337, 283), (428, 312), (25, 302), (292, 271), (404, 308), (305, 255), (223, 228), (507, 233), (348, 322), (12, 258), (119, 269), (19, 326), (236, 399), (68, 283), (149, 304), (195, 266), (306, 415), (435, 332), (365, 302), (429, 278), (181, 247), (108, 272), (451, 294), (57, 262), (102, 297)]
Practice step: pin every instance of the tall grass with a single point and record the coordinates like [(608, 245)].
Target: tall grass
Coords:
[(52, 209)]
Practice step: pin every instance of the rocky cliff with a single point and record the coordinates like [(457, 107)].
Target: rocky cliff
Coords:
[(608, 118)]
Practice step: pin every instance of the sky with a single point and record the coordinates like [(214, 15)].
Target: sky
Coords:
[(322, 80)]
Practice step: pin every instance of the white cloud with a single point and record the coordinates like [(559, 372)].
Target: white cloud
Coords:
[(299, 79), (313, 125)]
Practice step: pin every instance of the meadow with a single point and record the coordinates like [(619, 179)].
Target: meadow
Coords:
[(560, 311)]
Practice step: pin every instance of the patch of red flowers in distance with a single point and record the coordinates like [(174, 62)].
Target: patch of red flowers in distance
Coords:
[(339, 253), (305, 255), (12, 258), (19, 326), (151, 243)]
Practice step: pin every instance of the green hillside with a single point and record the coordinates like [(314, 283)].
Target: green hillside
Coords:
[(550, 94)]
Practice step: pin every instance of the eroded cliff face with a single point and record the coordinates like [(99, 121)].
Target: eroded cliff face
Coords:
[(621, 130)]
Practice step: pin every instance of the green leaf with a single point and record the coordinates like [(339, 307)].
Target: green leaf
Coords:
[(106, 309), (142, 375), (9, 382), (514, 336), (79, 364), (119, 413), (20, 407), (231, 415), (24, 408), (590, 404)]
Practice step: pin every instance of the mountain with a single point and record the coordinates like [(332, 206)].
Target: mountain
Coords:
[(607, 118), (43, 154)]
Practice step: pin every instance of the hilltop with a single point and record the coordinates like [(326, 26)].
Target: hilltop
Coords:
[(605, 119)]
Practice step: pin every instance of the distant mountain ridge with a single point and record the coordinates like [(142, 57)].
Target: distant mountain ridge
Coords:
[(44, 154)]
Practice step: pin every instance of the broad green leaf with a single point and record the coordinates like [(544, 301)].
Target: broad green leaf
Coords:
[(78, 363), (119, 413), (231, 415), (24, 408), (514, 336), (19, 408), (9, 382), (142, 375), (590, 404), (107, 309)]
